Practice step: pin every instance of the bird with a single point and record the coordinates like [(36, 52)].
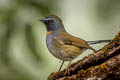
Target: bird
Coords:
[(63, 45)]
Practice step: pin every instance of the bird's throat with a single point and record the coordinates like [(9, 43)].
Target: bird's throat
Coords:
[(49, 32)]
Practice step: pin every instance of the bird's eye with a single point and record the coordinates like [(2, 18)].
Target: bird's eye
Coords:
[(51, 21)]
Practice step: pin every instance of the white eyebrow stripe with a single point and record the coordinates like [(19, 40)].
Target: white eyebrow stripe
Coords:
[(47, 19)]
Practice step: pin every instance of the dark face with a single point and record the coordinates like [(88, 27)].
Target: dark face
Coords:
[(52, 23)]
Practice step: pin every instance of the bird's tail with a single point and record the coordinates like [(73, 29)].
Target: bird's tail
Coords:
[(98, 41)]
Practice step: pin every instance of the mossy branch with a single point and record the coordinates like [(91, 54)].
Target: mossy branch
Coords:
[(103, 65)]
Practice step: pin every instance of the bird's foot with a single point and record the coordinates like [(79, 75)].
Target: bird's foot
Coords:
[(67, 72)]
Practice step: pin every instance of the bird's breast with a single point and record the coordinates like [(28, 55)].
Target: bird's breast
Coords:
[(50, 43)]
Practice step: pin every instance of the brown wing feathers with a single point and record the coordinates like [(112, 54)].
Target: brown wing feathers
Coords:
[(70, 40)]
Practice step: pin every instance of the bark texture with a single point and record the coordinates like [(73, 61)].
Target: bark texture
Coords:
[(102, 65)]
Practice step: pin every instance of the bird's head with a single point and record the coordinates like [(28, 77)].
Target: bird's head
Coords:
[(53, 23)]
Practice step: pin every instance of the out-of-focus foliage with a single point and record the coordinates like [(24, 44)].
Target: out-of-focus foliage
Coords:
[(108, 10), (17, 37)]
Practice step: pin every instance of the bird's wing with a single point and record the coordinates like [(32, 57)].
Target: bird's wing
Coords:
[(65, 38)]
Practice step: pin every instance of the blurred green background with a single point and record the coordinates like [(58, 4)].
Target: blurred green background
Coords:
[(23, 52)]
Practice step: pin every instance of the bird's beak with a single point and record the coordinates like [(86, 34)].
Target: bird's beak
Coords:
[(42, 20)]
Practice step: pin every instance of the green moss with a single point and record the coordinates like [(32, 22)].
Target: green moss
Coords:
[(93, 71), (117, 37), (81, 73)]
